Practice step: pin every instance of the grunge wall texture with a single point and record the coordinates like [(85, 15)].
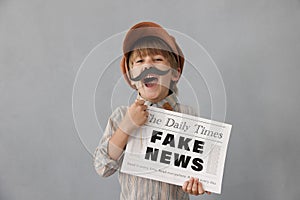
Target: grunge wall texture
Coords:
[(255, 44)]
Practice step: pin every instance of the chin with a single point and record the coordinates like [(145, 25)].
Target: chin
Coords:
[(152, 98)]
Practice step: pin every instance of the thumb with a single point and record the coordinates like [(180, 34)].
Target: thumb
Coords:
[(140, 101)]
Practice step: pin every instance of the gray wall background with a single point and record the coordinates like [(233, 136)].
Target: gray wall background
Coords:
[(256, 45)]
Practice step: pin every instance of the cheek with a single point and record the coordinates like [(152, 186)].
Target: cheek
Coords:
[(165, 80), (135, 71)]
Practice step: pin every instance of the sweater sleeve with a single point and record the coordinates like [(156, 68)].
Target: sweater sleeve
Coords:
[(103, 163)]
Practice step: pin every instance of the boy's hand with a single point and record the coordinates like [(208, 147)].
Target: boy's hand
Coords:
[(194, 187), (135, 117)]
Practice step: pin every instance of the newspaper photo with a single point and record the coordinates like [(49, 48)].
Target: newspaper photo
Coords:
[(172, 147)]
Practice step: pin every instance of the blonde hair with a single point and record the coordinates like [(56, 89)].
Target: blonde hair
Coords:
[(150, 46)]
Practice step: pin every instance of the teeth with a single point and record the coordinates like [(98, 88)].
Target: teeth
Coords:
[(150, 76)]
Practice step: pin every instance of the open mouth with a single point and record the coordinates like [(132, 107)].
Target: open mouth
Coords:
[(150, 80)]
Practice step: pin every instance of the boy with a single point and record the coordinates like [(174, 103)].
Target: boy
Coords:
[(152, 64)]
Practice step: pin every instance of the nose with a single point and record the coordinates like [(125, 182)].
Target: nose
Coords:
[(148, 62)]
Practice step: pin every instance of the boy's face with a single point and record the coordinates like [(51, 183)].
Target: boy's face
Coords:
[(153, 87)]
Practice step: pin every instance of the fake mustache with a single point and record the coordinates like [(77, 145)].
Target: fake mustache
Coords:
[(151, 70)]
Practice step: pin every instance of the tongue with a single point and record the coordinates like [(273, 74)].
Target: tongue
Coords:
[(150, 82)]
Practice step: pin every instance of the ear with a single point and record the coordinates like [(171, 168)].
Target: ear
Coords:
[(176, 75)]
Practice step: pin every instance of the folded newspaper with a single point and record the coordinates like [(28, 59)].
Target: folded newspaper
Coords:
[(172, 147)]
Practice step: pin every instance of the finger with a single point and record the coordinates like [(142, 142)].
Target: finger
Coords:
[(141, 108), (139, 102), (207, 192), (190, 184), (146, 113), (184, 186), (200, 188), (195, 187), (144, 107)]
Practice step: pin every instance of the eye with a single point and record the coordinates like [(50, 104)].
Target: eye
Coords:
[(158, 59), (139, 61)]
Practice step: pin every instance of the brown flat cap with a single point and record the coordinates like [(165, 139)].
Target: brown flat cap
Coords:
[(147, 29)]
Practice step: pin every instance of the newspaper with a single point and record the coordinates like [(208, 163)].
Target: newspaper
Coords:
[(172, 147)]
